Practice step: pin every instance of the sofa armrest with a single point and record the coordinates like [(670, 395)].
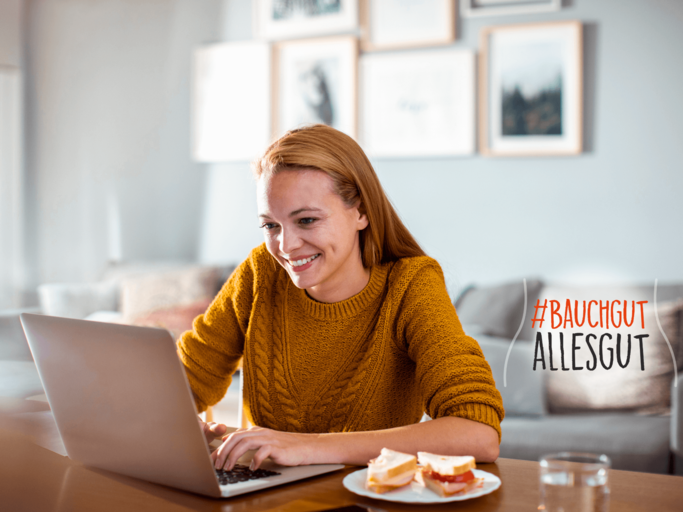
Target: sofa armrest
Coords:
[(677, 417)]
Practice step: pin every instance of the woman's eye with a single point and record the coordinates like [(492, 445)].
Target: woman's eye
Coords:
[(268, 226), (307, 220)]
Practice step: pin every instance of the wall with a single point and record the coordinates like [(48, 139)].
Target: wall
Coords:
[(611, 214), (10, 32), (109, 170), (11, 166)]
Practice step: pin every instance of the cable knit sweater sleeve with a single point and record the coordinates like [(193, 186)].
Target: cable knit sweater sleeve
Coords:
[(454, 377), (212, 349)]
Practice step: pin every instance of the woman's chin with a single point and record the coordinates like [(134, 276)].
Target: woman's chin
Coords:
[(301, 281)]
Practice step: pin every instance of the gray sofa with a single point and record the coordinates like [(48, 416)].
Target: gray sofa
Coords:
[(566, 410), (538, 419)]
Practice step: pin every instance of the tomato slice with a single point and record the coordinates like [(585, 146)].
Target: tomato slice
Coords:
[(464, 477)]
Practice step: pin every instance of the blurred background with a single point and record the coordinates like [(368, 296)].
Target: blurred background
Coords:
[(112, 208), (101, 170)]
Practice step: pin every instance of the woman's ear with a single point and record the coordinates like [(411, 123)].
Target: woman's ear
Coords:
[(362, 217)]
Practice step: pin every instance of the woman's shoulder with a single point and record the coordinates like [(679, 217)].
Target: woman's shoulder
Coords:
[(259, 265), (260, 256), (415, 265), (260, 261), (415, 271)]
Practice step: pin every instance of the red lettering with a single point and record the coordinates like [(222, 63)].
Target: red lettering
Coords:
[(633, 313), (604, 308), (554, 312), (590, 303), (642, 313), (568, 315), (576, 313), (611, 312)]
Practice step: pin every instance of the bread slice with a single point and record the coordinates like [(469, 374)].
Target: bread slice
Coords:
[(445, 489), (390, 470), (446, 465)]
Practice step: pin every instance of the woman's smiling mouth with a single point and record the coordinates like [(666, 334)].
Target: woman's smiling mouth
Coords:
[(302, 264)]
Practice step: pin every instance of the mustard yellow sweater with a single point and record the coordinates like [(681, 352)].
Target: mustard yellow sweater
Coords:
[(374, 361)]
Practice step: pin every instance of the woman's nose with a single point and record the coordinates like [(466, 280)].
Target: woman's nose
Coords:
[(289, 241)]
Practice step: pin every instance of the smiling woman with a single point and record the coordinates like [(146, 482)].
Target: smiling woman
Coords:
[(317, 244), (345, 326)]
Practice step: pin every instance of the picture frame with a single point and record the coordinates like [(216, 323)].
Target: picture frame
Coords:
[(401, 24), (531, 89), (276, 20), (480, 8), (231, 118), (316, 81), (418, 103)]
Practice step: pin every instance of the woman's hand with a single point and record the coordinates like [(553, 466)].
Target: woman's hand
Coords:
[(284, 448), (213, 430), (447, 436)]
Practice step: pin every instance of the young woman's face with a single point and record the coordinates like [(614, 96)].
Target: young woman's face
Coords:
[(312, 233)]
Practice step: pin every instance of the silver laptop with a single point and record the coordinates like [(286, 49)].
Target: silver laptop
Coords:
[(122, 402)]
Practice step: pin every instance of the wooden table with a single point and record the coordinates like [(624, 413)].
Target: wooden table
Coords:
[(33, 478)]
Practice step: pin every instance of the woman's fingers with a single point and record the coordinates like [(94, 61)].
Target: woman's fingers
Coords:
[(229, 443), (234, 432), (218, 429), (230, 452), (285, 448), (234, 437), (259, 457), (213, 430)]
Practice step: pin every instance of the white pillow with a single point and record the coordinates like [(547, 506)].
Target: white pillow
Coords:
[(77, 300)]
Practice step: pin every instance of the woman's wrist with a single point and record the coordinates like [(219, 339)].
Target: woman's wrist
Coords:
[(326, 448)]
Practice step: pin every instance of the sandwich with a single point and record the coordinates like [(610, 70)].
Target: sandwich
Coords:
[(390, 470), (447, 476)]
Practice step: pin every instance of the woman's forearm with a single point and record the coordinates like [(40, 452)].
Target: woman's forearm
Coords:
[(444, 436)]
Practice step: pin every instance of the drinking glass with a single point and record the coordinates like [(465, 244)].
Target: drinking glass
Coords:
[(574, 482)]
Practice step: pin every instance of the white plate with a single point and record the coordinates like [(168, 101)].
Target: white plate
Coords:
[(417, 493)]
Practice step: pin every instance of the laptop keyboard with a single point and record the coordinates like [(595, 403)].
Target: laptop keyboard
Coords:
[(242, 473)]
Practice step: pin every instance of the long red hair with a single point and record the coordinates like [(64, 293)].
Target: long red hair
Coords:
[(323, 148)]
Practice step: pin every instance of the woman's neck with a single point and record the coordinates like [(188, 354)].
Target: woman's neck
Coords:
[(343, 285)]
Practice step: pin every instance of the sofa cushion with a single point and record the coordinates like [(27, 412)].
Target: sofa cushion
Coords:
[(632, 442), (143, 294), (77, 300), (524, 394), (497, 310), (169, 300), (120, 272), (615, 389), (175, 319)]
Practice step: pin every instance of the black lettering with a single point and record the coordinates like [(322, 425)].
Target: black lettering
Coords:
[(562, 352), (640, 337), (574, 349), (611, 353), (539, 345), (595, 358), (628, 353), (550, 352)]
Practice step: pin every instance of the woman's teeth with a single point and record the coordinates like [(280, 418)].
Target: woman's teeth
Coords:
[(298, 263)]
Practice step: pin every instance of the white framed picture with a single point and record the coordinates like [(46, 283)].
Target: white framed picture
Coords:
[(394, 24), (418, 103), (292, 19), (316, 81), (531, 96), (231, 101), (478, 8)]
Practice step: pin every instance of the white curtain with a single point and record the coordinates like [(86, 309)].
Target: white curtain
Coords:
[(11, 188)]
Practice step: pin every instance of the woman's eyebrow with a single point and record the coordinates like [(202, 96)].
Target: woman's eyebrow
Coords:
[(304, 209)]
